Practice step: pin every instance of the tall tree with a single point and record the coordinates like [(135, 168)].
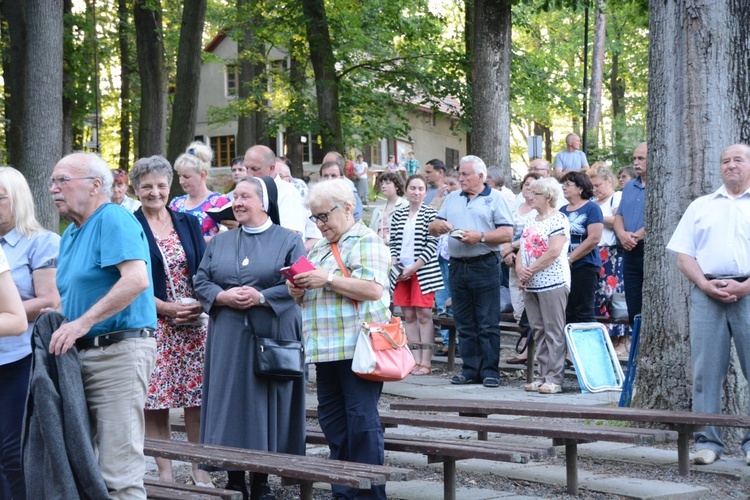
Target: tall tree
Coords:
[(40, 137), (187, 82), (152, 124), (490, 83), (251, 65), (698, 105), (326, 79), (14, 58), (123, 38), (597, 76)]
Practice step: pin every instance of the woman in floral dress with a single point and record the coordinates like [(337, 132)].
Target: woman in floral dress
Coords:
[(176, 247), (192, 169)]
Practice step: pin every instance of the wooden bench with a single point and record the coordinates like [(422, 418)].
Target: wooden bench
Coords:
[(167, 491), (561, 434), (684, 423), (291, 468), (444, 450)]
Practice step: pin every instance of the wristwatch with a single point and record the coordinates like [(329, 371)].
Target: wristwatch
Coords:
[(329, 282), (261, 300), (482, 240)]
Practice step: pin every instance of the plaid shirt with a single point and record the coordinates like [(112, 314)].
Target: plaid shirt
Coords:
[(329, 320)]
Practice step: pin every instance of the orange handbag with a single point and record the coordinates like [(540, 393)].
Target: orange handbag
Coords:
[(381, 353)]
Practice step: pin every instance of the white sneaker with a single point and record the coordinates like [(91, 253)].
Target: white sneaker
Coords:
[(705, 457)]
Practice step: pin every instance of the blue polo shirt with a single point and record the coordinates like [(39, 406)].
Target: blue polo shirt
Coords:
[(487, 211), (633, 205), (87, 269)]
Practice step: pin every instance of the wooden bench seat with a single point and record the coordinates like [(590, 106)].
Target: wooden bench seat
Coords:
[(684, 423), (303, 469), (158, 490)]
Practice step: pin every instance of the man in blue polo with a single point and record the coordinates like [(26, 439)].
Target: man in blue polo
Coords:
[(104, 279), (485, 222), (630, 230)]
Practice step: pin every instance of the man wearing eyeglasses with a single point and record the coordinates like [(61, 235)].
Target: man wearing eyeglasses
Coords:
[(479, 221), (103, 276), (630, 230)]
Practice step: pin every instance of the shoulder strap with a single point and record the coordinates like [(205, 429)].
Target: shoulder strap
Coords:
[(344, 270)]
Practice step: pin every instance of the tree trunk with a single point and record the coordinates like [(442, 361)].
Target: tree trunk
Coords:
[(326, 80), (491, 83), (294, 146), (250, 128), (698, 81), (469, 49), (125, 65), (597, 76), (185, 107), (546, 133), (69, 83), (41, 125), (152, 125), (617, 92), (14, 58)]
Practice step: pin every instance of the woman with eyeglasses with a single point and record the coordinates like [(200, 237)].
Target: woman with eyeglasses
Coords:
[(544, 276), (192, 168), (240, 286), (586, 226), (347, 404), (625, 175), (30, 253), (120, 191)]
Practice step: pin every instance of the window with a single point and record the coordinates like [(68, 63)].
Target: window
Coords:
[(375, 157), (224, 150), (451, 158), (233, 78)]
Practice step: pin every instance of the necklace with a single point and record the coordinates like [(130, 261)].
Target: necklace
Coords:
[(541, 217), (158, 234)]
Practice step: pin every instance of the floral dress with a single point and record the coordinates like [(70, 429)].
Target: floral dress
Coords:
[(177, 379), (214, 200)]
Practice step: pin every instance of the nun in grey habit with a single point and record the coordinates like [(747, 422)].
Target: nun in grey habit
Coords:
[(240, 286)]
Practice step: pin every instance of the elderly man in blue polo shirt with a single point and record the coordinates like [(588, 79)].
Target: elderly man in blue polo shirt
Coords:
[(713, 250), (630, 230), (479, 220)]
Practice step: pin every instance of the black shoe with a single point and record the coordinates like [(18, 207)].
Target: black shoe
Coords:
[(261, 491), (238, 487), (462, 380), (442, 352)]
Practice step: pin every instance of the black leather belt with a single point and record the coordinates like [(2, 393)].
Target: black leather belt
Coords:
[(114, 337), (738, 279), (469, 260)]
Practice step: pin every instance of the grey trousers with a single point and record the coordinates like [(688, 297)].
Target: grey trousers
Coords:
[(546, 313), (713, 325)]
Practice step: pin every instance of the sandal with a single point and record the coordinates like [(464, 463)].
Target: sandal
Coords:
[(423, 370), (416, 369)]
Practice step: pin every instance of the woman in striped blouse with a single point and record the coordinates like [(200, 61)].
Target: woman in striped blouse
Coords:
[(415, 273)]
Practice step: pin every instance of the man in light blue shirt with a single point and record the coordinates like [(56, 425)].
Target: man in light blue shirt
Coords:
[(572, 159), (484, 220)]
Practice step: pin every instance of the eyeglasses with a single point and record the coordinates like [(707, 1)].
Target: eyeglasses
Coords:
[(62, 180), (540, 194), (570, 184), (3, 196), (322, 217)]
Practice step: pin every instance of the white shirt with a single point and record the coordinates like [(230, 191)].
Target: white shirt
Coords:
[(3, 262), (406, 257), (609, 207), (715, 230), (292, 212), (130, 203)]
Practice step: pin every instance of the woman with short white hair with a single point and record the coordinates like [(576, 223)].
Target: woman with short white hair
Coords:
[(544, 275)]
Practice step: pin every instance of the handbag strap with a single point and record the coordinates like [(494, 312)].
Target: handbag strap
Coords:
[(344, 270)]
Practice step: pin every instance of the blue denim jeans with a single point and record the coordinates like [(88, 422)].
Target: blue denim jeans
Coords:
[(348, 416), (15, 385), (442, 295), (475, 290)]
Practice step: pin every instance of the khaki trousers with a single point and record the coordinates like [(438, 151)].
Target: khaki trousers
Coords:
[(115, 380)]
